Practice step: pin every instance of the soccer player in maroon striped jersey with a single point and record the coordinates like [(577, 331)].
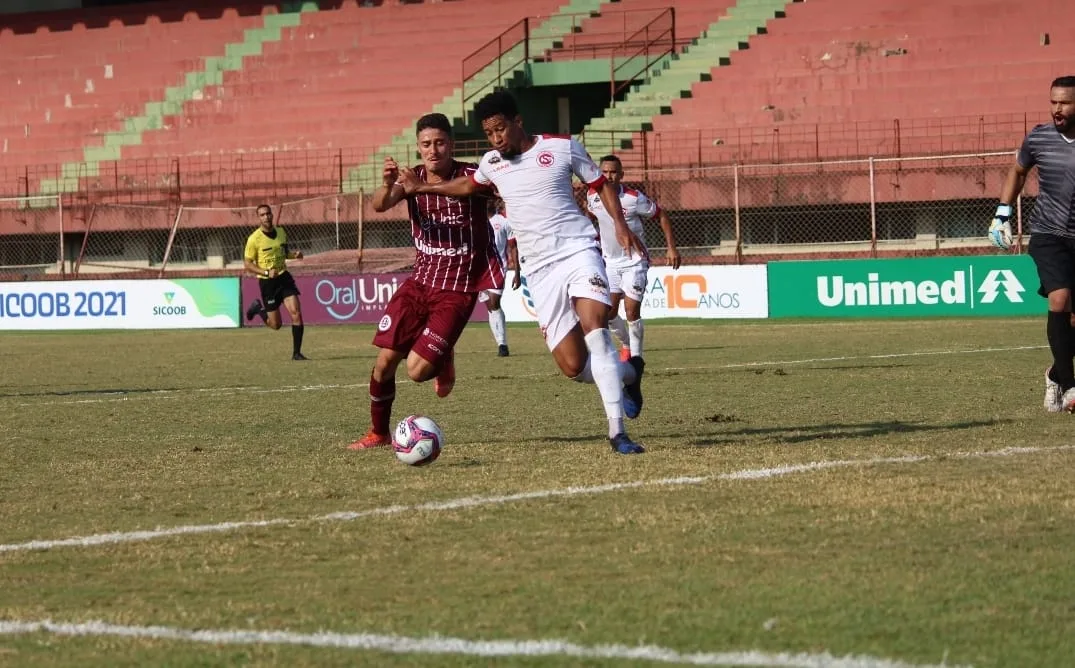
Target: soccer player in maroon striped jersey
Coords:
[(455, 259)]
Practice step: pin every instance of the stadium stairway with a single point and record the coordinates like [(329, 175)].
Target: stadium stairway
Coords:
[(676, 77), (834, 78), (230, 104), (542, 38), (210, 72)]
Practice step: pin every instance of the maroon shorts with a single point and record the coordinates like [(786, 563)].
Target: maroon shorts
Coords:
[(425, 320)]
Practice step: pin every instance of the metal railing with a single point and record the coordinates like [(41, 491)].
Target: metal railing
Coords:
[(870, 207)]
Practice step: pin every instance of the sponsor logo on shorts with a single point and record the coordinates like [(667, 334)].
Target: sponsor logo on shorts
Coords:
[(598, 282), (435, 349), (436, 337), (385, 324), (639, 288), (545, 159)]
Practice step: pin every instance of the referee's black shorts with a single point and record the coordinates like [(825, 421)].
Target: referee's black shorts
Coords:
[(1054, 257), (274, 290)]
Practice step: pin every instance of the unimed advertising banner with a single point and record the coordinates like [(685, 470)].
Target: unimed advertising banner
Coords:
[(689, 292), (154, 304), (984, 286)]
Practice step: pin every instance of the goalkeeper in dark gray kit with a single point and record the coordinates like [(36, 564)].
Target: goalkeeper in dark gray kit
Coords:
[(1050, 148)]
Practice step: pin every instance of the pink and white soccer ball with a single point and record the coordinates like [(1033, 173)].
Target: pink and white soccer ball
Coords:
[(417, 440)]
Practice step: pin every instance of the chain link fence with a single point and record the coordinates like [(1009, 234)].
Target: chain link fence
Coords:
[(31, 238), (727, 214)]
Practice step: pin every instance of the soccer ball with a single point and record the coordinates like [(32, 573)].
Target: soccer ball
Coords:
[(417, 440)]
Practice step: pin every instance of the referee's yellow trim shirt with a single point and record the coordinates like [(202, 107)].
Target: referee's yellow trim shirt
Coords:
[(265, 251)]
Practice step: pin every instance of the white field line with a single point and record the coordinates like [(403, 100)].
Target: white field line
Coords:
[(231, 391), (478, 501), (457, 646)]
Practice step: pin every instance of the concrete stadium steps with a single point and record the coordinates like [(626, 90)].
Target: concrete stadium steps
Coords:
[(844, 61), (623, 17), (731, 30), (170, 103), (225, 108), (401, 145)]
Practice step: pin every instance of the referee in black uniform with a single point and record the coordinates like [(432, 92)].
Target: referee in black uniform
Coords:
[(1050, 148)]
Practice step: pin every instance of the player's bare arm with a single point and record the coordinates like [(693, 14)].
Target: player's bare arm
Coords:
[(513, 262), (672, 253), (610, 198), (292, 255), (250, 266), (391, 192), (462, 186), (1013, 185)]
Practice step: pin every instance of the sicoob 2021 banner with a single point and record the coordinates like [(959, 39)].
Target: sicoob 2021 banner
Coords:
[(192, 303)]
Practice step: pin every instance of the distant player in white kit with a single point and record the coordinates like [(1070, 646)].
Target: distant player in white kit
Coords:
[(628, 272), (502, 237), (558, 251)]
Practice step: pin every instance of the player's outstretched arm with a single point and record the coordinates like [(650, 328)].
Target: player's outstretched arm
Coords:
[(672, 253), (462, 186), (1000, 229)]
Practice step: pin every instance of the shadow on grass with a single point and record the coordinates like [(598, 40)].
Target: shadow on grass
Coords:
[(833, 431), (90, 393)]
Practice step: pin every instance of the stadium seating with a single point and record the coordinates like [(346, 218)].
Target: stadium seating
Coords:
[(239, 82), (832, 67), (110, 97)]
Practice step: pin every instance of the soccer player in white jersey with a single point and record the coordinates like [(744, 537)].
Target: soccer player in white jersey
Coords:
[(627, 272), (558, 251), (502, 237)]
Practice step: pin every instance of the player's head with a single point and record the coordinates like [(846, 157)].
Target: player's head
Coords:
[(264, 212), (1062, 97), (501, 123), (434, 133), (611, 169)]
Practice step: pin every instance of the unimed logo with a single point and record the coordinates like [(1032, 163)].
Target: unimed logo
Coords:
[(998, 285)]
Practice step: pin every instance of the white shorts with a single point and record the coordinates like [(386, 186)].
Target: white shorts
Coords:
[(629, 280), (483, 296), (553, 286)]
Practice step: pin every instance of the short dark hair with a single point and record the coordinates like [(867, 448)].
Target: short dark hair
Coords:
[(435, 121), (259, 207), (611, 157), (497, 103), (1064, 82)]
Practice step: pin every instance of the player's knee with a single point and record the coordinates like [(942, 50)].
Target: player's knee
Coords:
[(574, 369), (420, 370), (273, 323)]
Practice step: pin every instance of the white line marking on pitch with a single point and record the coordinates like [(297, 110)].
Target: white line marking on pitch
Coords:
[(476, 501), (229, 391), (458, 646)]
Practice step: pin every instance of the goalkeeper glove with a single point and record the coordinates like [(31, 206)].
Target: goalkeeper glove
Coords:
[(1000, 230)]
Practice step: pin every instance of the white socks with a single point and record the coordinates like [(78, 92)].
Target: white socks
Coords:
[(605, 364), (634, 333), (619, 328), (497, 324)]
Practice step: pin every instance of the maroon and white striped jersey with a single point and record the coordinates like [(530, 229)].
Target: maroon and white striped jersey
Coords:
[(453, 241)]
